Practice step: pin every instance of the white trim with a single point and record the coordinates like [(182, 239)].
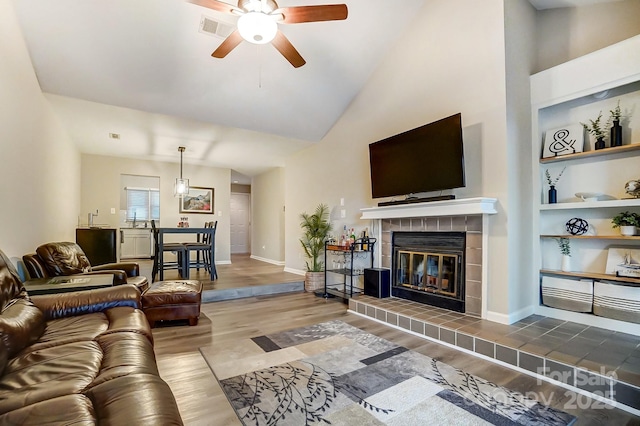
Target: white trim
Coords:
[(589, 319), (263, 259), (223, 262), (512, 317), (463, 206), (295, 271), (507, 365)]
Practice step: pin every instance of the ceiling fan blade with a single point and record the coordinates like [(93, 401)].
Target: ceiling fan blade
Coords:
[(285, 47), (217, 6), (228, 45), (300, 14)]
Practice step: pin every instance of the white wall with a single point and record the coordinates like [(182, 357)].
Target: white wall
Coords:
[(450, 59), (101, 190), (568, 33), (40, 171), (520, 35), (267, 216)]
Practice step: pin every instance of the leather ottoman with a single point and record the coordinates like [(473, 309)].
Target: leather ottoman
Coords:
[(172, 300)]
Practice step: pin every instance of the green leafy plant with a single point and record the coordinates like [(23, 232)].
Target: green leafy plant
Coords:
[(565, 246), (316, 228), (626, 219), (595, 128), (554, 181), (616, 113)]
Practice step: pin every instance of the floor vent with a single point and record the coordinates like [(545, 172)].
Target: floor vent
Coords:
[(214, 27)]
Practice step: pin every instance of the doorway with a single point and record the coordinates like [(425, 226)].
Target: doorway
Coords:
[(240, 223)]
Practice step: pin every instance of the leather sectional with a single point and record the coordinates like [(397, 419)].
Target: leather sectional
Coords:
[(79, 358)]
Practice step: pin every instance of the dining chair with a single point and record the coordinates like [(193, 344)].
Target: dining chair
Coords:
[(178, 248), (204, 245)]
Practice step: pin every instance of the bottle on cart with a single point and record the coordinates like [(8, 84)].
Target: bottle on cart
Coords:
[(365, 240), (352, 237)]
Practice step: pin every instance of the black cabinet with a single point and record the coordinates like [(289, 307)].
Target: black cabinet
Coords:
[(99, 244), (377, 282)]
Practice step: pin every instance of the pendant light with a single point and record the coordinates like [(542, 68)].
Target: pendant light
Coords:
[(182, 185)]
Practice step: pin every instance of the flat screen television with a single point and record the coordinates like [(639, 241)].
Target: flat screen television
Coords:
[(428, 158)]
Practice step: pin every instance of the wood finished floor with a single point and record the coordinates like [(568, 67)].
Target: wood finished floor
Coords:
[(202, 402), (242, 272)]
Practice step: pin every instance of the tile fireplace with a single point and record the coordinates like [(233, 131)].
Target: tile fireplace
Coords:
[(436, 251)]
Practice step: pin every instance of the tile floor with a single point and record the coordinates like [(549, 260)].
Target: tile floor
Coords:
[(589, 358)]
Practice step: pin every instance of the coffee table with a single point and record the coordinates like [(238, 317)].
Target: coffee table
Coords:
[(67, 283)]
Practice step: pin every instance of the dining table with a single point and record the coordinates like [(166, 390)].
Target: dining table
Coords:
[(162, 231)]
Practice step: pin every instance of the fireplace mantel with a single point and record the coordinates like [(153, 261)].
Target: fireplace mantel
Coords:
[(463, 206)]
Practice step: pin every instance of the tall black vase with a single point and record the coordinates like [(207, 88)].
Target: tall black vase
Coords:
[(553, 195), (616, 133)]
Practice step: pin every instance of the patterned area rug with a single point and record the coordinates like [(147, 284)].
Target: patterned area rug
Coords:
[(334, 373)]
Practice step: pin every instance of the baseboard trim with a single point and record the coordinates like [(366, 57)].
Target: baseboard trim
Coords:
[(271, 261), (512, 317), (295, 271)]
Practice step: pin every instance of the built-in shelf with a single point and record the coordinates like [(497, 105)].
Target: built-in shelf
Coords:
[(628, 202), (596, 153), (595, 237), (591, 275)]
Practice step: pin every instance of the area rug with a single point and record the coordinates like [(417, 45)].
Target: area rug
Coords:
[(334, 373)]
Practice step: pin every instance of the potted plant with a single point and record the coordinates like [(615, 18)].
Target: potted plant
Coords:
[(595, 129), (316, 228), (614, 122), (565, 249), (627, 222), (553, 194)]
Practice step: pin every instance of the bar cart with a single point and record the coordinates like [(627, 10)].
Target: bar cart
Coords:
[(344, 265)]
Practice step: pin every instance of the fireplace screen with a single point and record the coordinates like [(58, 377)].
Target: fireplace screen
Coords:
[(428, 272)]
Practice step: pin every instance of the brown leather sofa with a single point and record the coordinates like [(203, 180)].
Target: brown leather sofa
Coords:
[(78, 358), (66, 258)]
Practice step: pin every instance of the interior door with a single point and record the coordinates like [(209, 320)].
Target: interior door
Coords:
[(240, 223)]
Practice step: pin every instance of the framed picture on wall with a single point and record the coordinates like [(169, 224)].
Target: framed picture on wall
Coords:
[(563, 140), (623, 262), (199, 200)]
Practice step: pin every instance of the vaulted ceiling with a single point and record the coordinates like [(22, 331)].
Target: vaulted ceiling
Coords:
[(142, 70)]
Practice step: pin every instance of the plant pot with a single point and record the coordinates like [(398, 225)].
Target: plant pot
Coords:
[(553, 195), (314, 281), (566, 263), (600, 143), (628, 230)]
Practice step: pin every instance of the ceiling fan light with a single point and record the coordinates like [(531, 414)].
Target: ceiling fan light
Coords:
[(257, 28)]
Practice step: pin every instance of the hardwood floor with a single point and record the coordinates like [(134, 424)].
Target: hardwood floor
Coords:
[(202, 402)]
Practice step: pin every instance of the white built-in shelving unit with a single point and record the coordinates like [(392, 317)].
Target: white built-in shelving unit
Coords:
[(571, 93)]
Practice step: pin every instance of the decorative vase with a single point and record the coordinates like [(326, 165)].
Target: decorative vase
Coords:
[(600, 143), (628, 230), (553, 195), (616, 133), (566, 263)]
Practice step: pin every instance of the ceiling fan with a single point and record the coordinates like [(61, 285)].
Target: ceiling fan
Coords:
[(258, 23)]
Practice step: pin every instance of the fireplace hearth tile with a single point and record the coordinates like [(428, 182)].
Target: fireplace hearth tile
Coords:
[(473, 256), (464, 341), (432, 331), (392, 318), (506, 354), (485, 348), (448, 336), (404, 322), (371, 311), (473, 275), (531, 362), (381, 315), (445, 224), (362, 308), (474, 240), (417, 326)]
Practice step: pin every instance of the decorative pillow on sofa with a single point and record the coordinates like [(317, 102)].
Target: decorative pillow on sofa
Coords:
[(21, 324), (63, 258)]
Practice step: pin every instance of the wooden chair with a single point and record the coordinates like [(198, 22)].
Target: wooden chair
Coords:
[(205, 245), (178, 248)]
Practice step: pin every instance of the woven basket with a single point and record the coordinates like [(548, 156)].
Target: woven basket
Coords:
[(314, 281)]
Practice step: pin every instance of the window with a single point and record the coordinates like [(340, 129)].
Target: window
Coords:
[(143, 204)]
